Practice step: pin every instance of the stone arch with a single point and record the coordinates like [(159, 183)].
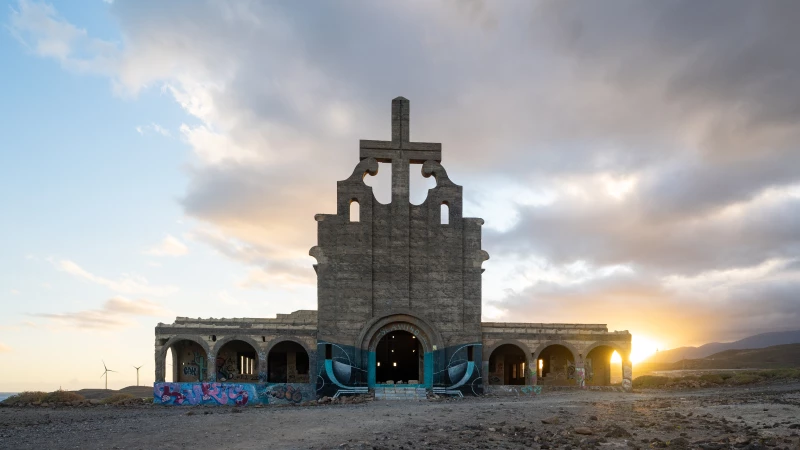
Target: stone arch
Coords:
[(260, 361), (620, 350), (561, 366), (524, 347), (570, 347), (288, 366), (367, 341), (282, 338), (221, 342), (599, 369), (507, 363), (161, 353), (368, 338)]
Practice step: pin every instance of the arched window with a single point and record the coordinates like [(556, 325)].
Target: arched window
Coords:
[(445, 214), (355, 211)]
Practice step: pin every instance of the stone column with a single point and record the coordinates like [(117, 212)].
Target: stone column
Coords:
[(627, 373), (485, 375), (530, 366), (160, 365), (580, 372), (211, 371), (262, 367)]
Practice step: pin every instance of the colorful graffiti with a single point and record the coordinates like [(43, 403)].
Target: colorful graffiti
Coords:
[(580, 377), (287, 392), (232, 394), (519, 391)]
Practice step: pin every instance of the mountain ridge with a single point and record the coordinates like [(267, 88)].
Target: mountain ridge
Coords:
[(761, 340)]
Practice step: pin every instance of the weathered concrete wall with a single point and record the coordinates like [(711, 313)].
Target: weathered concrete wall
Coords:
[(579, 339), (398, 260), (216, 360)]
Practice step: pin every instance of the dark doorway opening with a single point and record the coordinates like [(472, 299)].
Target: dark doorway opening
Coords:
[(399, 359), (287, 362), (507, 365)]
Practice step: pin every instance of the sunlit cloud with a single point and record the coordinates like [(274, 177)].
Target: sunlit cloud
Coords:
[(127, 284), (622, 179), (169, 246), (4, 348), (116, 312)]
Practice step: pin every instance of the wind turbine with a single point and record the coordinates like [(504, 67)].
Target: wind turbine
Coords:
[(105, 373), (137, 373)]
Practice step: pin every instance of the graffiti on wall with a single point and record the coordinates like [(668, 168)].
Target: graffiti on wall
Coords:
[(580, 377), (519, 391), (589, 373), (287, 392), (232, 394)]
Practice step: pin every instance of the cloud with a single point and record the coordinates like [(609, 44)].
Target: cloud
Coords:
[(116, 312), (128, 284), (41, 30), (169, 246), (614, 149), (5, 349), (153, 128)]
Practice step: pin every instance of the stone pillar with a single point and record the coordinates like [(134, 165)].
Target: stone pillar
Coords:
[(580, 373), (212, 367), (530, 366), (262, 367), (485, 376), (160, 365), (627, 373)]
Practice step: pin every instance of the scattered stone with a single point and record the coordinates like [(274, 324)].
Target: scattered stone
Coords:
[(616, 431), (550, 420), (583, 430)]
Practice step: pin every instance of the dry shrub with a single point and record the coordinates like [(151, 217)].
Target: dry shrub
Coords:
[(744, 378), (60, 396), (650, 381), (712, 378), (25, 397)]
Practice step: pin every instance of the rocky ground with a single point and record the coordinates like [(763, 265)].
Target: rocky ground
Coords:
[(766, 416)]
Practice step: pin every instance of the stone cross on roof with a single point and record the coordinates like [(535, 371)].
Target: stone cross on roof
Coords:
[(400, 147), (400, 152)]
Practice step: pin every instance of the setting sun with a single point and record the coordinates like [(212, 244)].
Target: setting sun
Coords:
[(642, 348)]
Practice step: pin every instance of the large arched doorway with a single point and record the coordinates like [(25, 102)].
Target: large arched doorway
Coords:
[(603, 366), (399, 359), (287, 362), (556, 366), (507, 365), (237, 361), (187, 361)]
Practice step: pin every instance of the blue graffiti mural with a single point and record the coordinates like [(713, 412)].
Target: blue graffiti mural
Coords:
[(232, 394)]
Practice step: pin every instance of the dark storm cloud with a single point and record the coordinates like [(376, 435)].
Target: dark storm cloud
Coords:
[(696, 102)]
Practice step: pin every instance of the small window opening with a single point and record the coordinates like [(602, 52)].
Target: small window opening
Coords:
[(263, 339), (445, 214), (355, 211), (213, 338), (470, 356), (328, 351)]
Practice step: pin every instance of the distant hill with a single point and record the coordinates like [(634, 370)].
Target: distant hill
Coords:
[(753, 342), (775, 357), (99, 394)]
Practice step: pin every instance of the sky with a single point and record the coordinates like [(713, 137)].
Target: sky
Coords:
[(636, 163)]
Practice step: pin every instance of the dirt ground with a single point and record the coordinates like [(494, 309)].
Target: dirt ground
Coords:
[(753, 417)]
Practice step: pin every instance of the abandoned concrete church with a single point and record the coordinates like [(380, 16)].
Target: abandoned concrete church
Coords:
[(399, 310)]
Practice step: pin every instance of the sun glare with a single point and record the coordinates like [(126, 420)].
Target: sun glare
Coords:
[(642, 348)]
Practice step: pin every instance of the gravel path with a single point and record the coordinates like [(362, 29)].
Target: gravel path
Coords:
[(755, 417)]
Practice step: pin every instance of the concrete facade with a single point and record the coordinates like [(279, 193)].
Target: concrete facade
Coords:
[(396, 277)]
